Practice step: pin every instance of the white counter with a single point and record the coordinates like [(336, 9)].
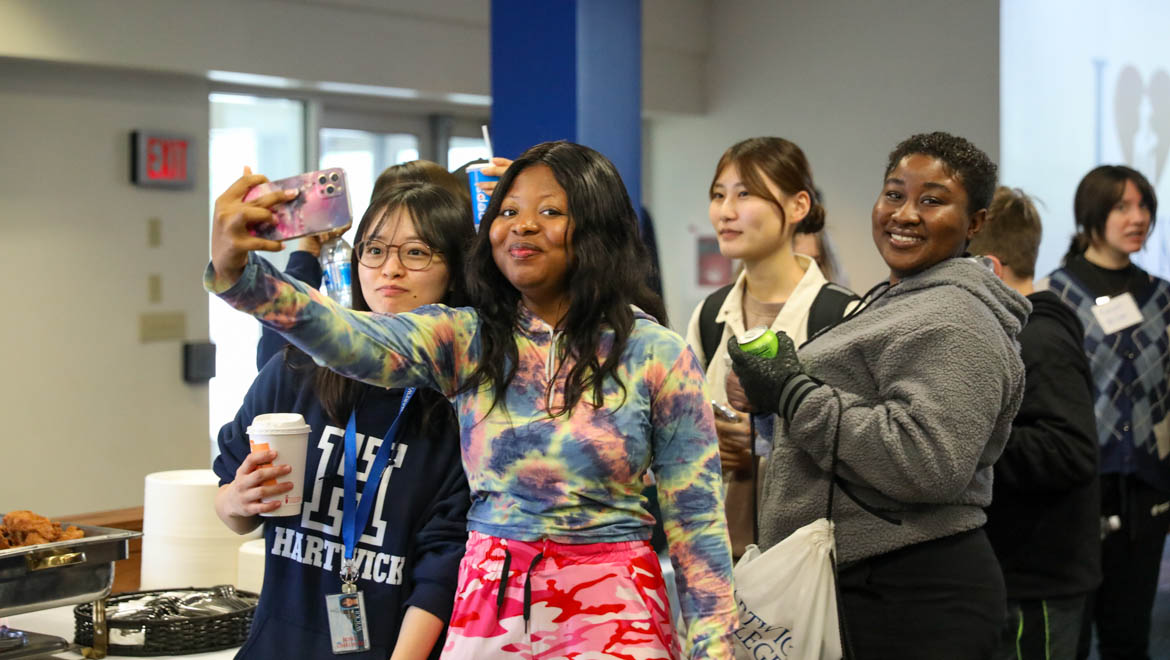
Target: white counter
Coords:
[(59, 622)]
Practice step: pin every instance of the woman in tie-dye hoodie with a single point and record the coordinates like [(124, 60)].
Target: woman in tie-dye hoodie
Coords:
[(567, 394)]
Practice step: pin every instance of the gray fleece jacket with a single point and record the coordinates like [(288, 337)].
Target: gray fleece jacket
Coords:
[(922, 386)]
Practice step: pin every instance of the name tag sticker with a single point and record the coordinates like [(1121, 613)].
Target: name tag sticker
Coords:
[(1119, 313)]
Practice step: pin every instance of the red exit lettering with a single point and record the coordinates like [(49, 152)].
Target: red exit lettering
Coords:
[(166, 159)]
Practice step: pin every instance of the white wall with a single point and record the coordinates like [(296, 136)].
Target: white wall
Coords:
[(90, 410), (433, 48), (846, 81), (89, 405), (1066, 109)]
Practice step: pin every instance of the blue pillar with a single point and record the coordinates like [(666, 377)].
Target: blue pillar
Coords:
[(569, 70)]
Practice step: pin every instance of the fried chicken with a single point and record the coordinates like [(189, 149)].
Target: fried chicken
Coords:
[(27, 522), (32, 538), (70, 533), (20, 528)]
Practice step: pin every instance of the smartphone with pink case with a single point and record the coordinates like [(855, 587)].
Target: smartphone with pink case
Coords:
[(321, 205)]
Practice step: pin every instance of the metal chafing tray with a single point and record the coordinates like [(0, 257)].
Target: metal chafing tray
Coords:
[(48, 575)]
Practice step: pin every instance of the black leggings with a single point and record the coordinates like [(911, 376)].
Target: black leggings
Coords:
[(934, 600)]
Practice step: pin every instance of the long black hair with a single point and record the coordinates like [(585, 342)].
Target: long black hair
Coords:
[(443, 222), (607, 273), (1097, 194)]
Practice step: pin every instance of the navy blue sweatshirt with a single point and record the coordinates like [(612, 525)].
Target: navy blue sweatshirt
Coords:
[(305, 267), (410, 551)]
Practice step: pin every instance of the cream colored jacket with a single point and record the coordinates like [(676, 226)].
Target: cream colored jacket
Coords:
[(793, 320)]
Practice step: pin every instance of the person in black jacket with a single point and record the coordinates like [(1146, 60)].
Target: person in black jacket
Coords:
[(1043, 521)]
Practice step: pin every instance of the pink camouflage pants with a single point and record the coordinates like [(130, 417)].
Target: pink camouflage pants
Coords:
[(597, 600)]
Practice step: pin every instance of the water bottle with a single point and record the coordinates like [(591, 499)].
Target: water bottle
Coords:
[(336, 267)]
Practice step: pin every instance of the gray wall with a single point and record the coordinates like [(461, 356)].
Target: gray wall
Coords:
[(844, 80)]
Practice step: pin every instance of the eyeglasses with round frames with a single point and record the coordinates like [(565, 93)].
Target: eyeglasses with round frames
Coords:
[(413, 255)]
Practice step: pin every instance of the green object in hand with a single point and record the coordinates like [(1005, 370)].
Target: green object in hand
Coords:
[(760, 341)]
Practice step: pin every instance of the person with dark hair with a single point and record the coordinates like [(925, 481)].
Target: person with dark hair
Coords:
[(762, 194), (304, 262), (1043, 521), (425, 171), (906, 404), (412, 242), (568, 391), (963, 159), (1126, 316), (498, 165)]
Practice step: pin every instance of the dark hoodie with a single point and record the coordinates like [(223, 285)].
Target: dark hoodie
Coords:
[(921, 386), (305, 267), (408, 554), (1043, 519)]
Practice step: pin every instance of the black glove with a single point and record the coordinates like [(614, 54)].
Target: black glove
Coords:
[(763, 379)]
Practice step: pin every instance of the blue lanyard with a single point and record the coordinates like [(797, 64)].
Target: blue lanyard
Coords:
[(352, 512)]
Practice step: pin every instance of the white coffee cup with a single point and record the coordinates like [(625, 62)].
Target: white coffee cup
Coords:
[(288, 435)]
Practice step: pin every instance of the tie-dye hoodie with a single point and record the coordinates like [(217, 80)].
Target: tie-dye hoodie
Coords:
[(570, 479)]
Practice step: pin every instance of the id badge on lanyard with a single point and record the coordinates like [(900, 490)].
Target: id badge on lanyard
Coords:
[(346, 611)]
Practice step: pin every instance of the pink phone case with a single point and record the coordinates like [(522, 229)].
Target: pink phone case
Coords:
[(321, 206)]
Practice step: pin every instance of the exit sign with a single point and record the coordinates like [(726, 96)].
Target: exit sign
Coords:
[(160, 160)]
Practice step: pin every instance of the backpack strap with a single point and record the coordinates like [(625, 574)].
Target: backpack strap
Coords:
[(829, 307), (711, 332)]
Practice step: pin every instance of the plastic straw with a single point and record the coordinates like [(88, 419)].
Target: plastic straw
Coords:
[(487, 140)]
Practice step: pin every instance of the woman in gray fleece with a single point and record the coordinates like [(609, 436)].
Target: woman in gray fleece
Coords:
[(918, 390)]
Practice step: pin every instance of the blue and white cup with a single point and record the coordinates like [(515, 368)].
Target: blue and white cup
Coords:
[(479, 198)]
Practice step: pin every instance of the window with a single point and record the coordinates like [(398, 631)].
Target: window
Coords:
[(462, 150), (266, 134), (269, 134), (363, 156)]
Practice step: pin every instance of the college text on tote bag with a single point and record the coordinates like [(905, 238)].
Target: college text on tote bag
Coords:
[(787, 596)]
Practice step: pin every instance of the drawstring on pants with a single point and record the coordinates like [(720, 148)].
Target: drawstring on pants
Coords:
[(528, 588), (502, 588)]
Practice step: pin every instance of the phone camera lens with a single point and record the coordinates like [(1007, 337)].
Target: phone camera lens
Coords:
[(321, 179), (333, 177), (328, 190)]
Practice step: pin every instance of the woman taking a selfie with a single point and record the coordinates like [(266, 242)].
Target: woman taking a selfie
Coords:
[(567, 391), (410, 252), (915, 395)]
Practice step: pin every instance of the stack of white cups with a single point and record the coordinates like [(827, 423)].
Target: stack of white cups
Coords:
[(250, 566), (184, 544)]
